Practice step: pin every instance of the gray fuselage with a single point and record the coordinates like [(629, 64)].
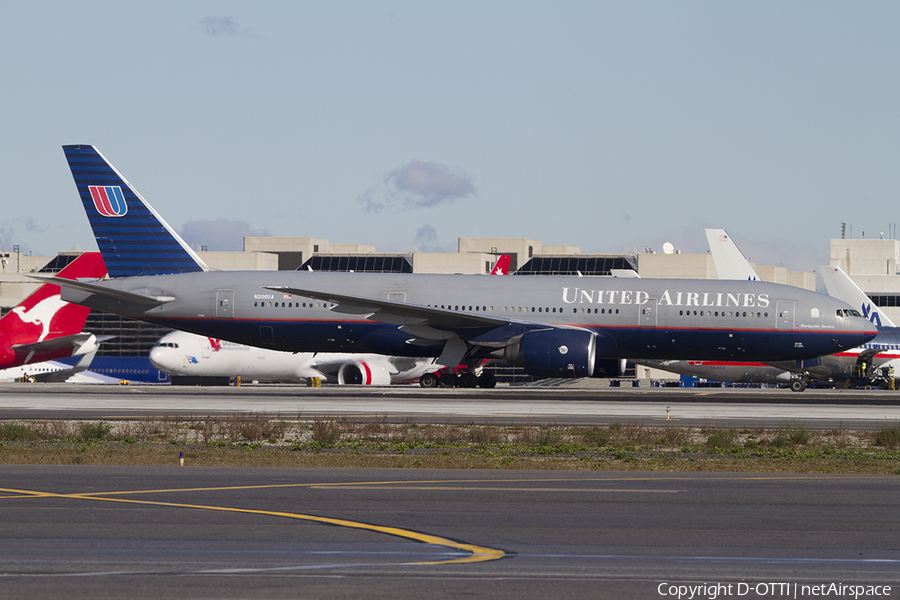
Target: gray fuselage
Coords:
[(648, 318)]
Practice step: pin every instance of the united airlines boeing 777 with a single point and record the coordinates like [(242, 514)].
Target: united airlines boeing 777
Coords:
[(551, 326)]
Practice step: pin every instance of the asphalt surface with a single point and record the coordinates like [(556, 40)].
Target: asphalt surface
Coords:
[(111, 532), (819, 409)]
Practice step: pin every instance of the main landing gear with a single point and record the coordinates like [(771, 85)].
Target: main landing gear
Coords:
[(463, 379), (798, 385)]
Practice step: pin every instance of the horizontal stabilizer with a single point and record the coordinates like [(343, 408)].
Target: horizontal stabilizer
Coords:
[(64, 374), (58, 343), (109, 292)]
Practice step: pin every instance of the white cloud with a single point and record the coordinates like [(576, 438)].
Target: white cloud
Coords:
[(218, 26), (419, 184)]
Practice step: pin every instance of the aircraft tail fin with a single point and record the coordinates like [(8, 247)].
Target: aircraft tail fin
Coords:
[(133, 238), (44, 315), (730, 262), (501, 267), (840, 286)]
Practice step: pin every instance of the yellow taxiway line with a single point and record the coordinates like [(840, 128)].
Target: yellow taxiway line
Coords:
[(477, 553)]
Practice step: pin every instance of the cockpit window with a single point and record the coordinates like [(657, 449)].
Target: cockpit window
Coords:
[(848, 312)]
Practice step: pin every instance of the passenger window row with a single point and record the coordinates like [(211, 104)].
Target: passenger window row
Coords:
[(264, 304), (478, 309), (710, 313)]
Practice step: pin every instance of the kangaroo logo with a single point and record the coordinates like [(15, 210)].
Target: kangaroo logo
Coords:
[(40, 314)]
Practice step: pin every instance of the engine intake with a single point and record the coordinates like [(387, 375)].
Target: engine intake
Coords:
[(363, 373)]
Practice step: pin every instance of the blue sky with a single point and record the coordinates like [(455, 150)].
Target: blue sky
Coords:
[(605, 125)]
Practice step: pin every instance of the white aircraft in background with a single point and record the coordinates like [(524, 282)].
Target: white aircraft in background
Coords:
[(185, 354), (880, 354)]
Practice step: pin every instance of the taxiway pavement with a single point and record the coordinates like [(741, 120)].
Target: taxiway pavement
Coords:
[(151, 532), (819, 409)]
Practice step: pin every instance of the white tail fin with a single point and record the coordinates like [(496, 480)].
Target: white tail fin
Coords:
[(840, 286), (730, 263)]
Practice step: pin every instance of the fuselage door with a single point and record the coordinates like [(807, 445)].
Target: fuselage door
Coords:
[(784, 317), (225, 304), (397, 297), (648, 313)]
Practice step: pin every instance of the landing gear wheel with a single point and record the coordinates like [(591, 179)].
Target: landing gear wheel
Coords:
[(428, 380), (447, 380), (487, 380), (467, 380), (798, 385)]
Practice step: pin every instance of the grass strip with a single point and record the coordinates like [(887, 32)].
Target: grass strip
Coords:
[(256, 441)]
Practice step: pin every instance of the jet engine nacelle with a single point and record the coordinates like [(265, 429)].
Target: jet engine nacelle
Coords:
[(554, 352), (363, 372), (610, 367)]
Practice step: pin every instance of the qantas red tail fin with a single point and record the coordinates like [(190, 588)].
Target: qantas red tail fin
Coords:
[(502, 265), (43, 316)]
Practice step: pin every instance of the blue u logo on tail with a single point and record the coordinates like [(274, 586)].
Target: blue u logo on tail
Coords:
[(108, 200)]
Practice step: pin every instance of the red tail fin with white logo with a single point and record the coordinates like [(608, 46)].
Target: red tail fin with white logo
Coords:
[(43, 327), (502, 265)]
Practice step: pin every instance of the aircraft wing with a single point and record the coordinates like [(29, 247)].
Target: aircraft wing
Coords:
[(400, 313), (428, 324), (92, 287)]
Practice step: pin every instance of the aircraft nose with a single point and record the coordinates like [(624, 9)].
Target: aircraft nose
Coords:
[(159, 358), (868, 326), (867, 330)]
